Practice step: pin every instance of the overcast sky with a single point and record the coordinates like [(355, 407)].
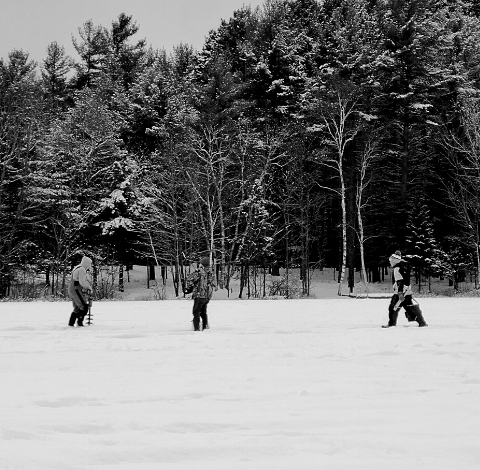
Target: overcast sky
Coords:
[(33, 24)]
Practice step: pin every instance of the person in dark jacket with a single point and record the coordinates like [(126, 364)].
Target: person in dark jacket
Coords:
[(402, 293), (203, 286), (78, 284)]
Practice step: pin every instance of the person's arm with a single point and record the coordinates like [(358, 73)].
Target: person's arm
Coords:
[(194, 277), (399, 281), (82, 279)]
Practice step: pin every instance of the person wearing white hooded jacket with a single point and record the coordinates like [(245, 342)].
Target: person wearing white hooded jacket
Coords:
[(79, 283), (402, 293)]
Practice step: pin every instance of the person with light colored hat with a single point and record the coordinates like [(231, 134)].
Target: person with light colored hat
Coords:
[(203, 286), (402, 292), (78, 284)]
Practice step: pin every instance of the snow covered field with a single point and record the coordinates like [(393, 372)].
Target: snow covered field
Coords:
[(294, 385)]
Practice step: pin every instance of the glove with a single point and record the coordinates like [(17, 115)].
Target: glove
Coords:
[(401, 297)]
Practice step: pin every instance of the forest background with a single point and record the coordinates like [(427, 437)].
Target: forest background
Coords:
[(303, 135)]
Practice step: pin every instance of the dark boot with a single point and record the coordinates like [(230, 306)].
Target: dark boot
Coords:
[(204, 318), (73, 317), (421, 321), (196, 323)]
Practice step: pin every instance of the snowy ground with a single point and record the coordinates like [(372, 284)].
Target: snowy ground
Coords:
[(281, 385)]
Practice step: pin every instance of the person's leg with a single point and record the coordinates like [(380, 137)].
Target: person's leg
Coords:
[(411, 309), (414, 312), (73, 316), (77, 309), (197, 309), (204, 316), (80, 307), (421, 321), (393, 311), (82, 315)]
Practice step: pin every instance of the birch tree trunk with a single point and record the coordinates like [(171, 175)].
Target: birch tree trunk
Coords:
[(368, 155), (340, 134), (344, 224)]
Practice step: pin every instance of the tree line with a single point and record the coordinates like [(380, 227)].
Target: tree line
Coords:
[(303, 134)]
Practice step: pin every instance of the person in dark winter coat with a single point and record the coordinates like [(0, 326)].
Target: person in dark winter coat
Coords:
[(78, 284), (402, 292), (203, 286)]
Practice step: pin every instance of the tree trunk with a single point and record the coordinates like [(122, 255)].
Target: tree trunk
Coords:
[(351, 236), (242, 280), (121, 286), (344, 232)]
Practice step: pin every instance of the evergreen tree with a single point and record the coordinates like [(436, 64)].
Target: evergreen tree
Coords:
[(93, 48), (54, 73), (420, 243), (84, 147), (18, 68), (21, 125), (228, 140), (120, 217), (125, 59)]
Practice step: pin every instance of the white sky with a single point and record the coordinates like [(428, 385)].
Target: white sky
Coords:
[(31, 25)]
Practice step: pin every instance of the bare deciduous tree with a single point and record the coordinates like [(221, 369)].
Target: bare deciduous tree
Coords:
[(464, 190)]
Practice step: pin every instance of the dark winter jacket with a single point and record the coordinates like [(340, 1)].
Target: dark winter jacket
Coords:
[(203, 283)]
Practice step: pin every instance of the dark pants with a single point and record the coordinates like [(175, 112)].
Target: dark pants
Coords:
[(78, 315), (407, 301), (393, 309), (200, 311), (80, 308)]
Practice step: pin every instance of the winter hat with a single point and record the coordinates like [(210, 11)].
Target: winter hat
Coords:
[(395, 259), (205, 262)]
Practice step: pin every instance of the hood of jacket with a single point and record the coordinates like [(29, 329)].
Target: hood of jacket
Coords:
[(86, 262)]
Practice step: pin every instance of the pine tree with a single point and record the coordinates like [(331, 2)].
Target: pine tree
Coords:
[(454, 261), (120, 217), (21, 125), (420, 243), (54, 73), (125, 60), (84, 148), (93, 48)]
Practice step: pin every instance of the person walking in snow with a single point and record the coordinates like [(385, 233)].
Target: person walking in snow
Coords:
[(78, 284), (203, 286), (402, 292)]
